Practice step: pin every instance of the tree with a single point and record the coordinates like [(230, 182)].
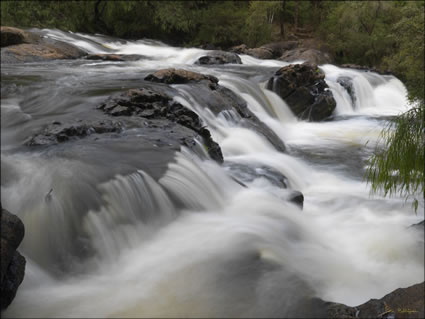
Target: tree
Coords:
[(398, 168)]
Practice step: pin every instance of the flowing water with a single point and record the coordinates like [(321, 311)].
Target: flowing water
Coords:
[(111, 240)]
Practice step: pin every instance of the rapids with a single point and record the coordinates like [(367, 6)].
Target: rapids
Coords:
[(114, 241)]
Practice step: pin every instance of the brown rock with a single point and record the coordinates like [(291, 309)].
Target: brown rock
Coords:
[(179, 76), (306, 55), (260, 53), (11, 36)]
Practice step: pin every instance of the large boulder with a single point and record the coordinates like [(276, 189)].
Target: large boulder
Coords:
[(219, 57), (28, 46), (12, 262), (260, 53), (148, 103), (307, 55), (218, 99), (240, 49), (12, 36), (304, 89)]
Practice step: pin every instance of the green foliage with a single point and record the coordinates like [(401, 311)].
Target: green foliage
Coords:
[(398, 168), (222, 24), (259, 22)]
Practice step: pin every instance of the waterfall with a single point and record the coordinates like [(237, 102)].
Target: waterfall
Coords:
[(200, 239)]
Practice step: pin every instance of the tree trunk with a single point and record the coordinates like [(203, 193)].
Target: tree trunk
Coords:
[(281, 20), (297, 3)]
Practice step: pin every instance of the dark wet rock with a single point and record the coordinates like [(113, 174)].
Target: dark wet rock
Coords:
[(219, 57), (419, 226), (297, 198), (153, 104), (306, 55), (366, 68), (248, 173), (179, 76), (219, 100), (12, 262), (36, 48), (12, 36), (347, 83), (114, 57), (260, 53), (58, 133), (401, 303), (304, 89)]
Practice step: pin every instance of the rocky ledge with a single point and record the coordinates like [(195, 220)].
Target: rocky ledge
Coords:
[(12, 262), (218, 99), (19, 45), (304, 89)]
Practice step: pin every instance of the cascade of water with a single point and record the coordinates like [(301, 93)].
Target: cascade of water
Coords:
[(197, 242)]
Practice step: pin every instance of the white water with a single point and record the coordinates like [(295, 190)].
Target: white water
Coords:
[(233, 251)]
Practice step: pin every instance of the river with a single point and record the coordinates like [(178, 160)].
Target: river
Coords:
[(112, 241)]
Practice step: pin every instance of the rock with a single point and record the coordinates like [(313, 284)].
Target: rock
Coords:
[(278, 48), (219, 57), (260, 53), (419, 226), (12, 263), (304, 89), (347, 83), (179, 76), (307, 55), (209, 46), (240, 49), (114, 57), (153, 104), (401, 303), (245, 173), (218, 99), (12, 36), (297, 198), (39, 48), (59, 133)]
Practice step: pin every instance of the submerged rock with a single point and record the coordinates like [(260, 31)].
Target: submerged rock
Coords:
[(347, 83), (114, 57), (219, 57), (297, 198), (12, 262), (304, 89)]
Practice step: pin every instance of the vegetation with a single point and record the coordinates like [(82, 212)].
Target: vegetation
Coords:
[(380, 34), (399, 167)]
